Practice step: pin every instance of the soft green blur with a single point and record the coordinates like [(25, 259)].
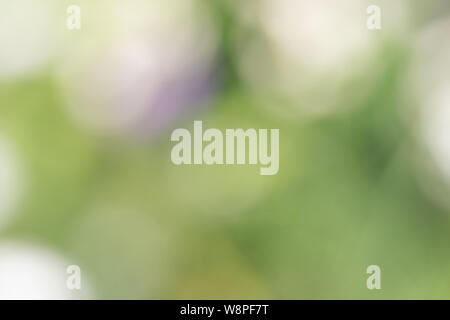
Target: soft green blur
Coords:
[(355, 185)]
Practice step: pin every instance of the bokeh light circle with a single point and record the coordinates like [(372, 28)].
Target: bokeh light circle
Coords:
[(141, 73), (313, 58), (28, 36), (428, 108), (32, 272)]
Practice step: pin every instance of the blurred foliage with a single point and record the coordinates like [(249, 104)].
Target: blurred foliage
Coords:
[(346, 197)]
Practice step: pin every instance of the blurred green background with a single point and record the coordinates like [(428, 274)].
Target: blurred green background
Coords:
[(86, 117)]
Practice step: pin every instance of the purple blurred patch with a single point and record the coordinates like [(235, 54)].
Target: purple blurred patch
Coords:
[(187, 93)]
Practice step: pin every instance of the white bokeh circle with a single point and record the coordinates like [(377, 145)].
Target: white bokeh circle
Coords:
[(28, 36), (32, 272)]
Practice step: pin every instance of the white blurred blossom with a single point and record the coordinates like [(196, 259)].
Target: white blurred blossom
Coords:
[(31, 272), (155, 60), (28, 36), (319, 34), (311, 51), (429, 89), (436, 121)]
